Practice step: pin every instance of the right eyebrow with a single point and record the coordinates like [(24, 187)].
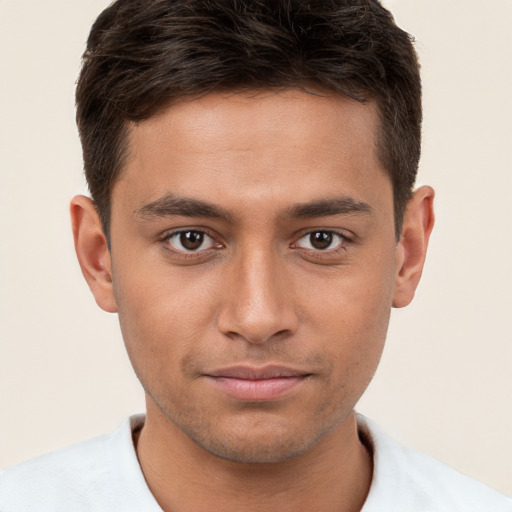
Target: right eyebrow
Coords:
[(171, 205)]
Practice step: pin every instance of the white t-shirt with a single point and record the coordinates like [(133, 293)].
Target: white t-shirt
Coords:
[(103, 475)]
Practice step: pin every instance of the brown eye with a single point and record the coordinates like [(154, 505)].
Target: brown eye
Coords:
[(321, 240), (190, 241)]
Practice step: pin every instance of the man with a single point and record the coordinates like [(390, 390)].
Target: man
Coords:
[(252, 221)]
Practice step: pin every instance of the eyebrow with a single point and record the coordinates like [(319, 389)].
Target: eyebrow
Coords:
[(171, 205), (328, 207)]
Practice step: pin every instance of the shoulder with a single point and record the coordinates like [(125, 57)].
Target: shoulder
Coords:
[(410, 481), (96, 475), (59, 478)]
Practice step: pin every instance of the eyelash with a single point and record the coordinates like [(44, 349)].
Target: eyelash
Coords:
[(215, 245), (341, 246), (189, 254)]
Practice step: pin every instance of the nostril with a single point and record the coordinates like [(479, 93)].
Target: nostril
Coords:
[(258, 337)]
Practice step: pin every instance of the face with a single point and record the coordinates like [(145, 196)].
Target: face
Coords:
[(253, 266)]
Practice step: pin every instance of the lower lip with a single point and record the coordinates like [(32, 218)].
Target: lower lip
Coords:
[(257, 390)]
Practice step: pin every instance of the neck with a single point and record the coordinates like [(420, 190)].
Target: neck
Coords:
[(333, 476)]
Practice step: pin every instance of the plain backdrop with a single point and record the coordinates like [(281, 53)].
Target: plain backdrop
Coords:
[(444, 385)]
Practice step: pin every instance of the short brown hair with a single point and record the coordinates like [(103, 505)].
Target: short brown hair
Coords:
[(142, 54)]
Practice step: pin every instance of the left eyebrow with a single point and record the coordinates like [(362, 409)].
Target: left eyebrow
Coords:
[(328, 207)]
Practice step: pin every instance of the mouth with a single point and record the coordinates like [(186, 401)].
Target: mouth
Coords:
[(251, 384)]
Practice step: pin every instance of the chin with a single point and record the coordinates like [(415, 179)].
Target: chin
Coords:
[(251, 451), (269, 444)]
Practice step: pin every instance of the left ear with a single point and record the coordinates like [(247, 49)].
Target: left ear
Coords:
[(412, 247)]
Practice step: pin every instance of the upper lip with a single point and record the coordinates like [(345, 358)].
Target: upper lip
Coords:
[(257, 373)]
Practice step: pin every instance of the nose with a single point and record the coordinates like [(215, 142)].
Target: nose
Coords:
[(258, 303)]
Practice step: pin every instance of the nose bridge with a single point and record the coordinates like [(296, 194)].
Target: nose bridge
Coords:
[(258, 302)]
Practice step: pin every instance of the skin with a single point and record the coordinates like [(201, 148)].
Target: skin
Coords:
[(257, 176)]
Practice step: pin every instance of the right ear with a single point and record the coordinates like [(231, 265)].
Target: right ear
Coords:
[(92, 251)]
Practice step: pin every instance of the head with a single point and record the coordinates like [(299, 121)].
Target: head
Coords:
[(251, 165), (143, 56)]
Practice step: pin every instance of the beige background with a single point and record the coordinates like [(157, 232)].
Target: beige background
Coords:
[(445, 382)]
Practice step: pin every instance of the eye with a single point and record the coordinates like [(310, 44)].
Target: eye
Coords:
[(190, 241), (321, 241)]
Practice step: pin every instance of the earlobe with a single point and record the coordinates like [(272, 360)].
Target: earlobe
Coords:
[(412, 247), (92, 251)]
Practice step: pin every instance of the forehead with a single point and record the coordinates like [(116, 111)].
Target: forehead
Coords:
[(252, 117), (254, 145)]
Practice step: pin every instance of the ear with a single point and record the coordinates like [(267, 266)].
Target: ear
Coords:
[(412, 247), (92, 251)]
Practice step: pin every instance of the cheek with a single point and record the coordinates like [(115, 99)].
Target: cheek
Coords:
[(353, 313), (355, 298), (162, 316)]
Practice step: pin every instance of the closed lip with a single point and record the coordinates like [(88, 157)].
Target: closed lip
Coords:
[(257, 373), (257, 384)]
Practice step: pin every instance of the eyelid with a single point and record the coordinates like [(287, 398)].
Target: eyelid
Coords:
[(184, 253), (205, 240), (347, 238), (324, 256)]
